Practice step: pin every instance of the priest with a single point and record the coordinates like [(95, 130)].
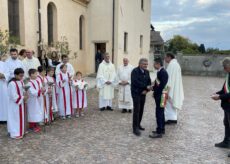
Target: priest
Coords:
[(106, 81), (3, 91), (176, 92), (125, 101), (30, 62), (13, 62)]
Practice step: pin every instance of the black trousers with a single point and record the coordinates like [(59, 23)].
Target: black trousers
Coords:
[(139, 104), (227, 125), (160, 116)]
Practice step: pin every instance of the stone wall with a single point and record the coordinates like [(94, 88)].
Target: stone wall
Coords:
[(202, 65)]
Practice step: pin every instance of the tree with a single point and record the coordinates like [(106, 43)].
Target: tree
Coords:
[(182, 44), (4, 42), (202, 49), (7, 41), (212, 51)]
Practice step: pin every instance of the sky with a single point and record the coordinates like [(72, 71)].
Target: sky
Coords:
[(202, 21)]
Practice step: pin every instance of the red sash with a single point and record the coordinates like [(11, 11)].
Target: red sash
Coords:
[(20, 108)]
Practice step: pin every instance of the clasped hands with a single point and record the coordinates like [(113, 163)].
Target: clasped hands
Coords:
[(124, 83)]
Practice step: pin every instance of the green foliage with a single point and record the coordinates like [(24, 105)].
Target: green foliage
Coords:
[(187, 47), (4, 42), (14, 41), (217, 51), (7, 41), (60, 47), (181, 44)]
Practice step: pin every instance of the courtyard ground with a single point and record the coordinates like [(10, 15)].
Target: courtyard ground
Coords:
[(106, 137)]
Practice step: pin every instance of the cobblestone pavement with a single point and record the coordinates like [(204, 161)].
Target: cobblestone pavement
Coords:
[(106, 137)]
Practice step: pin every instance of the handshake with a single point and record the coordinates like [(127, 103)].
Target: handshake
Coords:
[(149, 88)]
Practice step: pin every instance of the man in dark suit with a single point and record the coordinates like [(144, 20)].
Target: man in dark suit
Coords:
[(140, 86), (98, 59), (160, 95), (224, 96)]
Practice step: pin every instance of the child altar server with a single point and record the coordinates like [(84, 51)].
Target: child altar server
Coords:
[(51, 98), (17, 97), (43, 99), (4, 78), (64, 93), (79, 94), (34, 106)]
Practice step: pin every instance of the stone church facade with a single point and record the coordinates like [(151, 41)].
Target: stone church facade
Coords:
[(119, 27)]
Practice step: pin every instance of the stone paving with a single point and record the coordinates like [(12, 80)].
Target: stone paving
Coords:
[(106, 137)]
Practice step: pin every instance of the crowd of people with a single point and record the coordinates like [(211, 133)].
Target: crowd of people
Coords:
[(135, 83), (32, 95)]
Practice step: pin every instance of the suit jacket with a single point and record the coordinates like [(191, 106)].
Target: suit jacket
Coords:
[(139, 81), (162, 76), (225, 98)]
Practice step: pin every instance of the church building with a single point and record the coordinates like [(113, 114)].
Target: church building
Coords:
[(119, 27)]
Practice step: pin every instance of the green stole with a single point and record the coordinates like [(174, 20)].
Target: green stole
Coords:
[(227, 86), (164, 95)]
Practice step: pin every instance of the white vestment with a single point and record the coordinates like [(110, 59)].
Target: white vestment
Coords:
[(176, 92), (106, 72), (3, 92), (34, 106), (64, 94), (16, 121), (30, 64), (43, 99), (124, 97), (70, 69), (79, 94), (12, 65), (54, 93)]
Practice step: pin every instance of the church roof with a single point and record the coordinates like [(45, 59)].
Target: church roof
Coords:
[(156, 38)]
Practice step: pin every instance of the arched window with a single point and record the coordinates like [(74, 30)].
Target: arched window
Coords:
[(13, 14), (142, 5), (81, 32), (52, 23)]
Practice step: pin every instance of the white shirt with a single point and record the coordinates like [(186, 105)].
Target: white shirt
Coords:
[(12, 64), (30, 64)]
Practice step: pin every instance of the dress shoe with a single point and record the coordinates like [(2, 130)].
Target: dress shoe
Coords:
[(223, 144), (124, 111), (155, 132), (102, 109), (170, 122), (141, 128), (155, 135), (137, 132), (109, 108), (130, 111)]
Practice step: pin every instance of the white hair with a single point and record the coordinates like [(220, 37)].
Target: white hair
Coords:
[(142, 60), (226, 62)]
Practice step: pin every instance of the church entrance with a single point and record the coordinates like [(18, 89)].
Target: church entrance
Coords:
[(100, 49)]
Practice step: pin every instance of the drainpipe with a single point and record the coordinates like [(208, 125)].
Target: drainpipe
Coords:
[(113, 31), (39, 28)]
